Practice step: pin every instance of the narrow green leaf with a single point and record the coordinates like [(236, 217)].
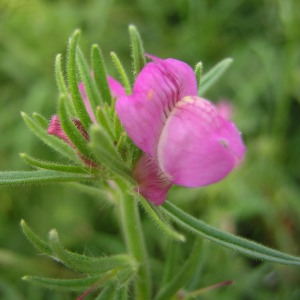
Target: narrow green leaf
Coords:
[(161, 225), (73, 133), (122, 293), (73, 82), (56, 166), (60, 80), (183, 275), (137, 50), (89, 84), (100, 74), (108, 293), (198, 72), (37, 242), (52, 141), (41, 176), (84, 264), (105, 151), (171, 261), (104, 120), (61, 83), (118, 129), (228, 240), (209, 78), (42, 121), (122, 72), (65, 284)]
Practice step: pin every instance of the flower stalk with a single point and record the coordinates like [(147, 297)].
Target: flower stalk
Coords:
[(135, 242)]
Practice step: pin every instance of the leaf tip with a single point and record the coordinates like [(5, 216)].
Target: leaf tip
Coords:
[(53, 234), (26, 278), (22, 223)]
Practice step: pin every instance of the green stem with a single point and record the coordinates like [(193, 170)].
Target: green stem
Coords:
[(131, 225)]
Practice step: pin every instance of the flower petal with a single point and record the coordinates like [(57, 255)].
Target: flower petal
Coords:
[(56, 129), (116, 89), (225, 109), (158, 87), (198, 146), (152, 184)]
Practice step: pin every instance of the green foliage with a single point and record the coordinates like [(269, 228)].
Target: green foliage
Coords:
[(260, 201), (95, 272)]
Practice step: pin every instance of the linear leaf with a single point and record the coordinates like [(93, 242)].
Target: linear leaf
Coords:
[(183, 275), (64, 284), (137, 50), (70, 129), (100, 74), (161, 225), (73, 82), (60, 80), (228, 240), (199, 72), (41, 176), (52, 141), (42, 120), (89, 84), (37, 242), (41, 164), (213, 75), (84, 264), (122, 72), (61, 83)]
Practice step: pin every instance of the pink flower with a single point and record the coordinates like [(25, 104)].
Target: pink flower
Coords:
[(225, 109), (55, 128), (185, 140)]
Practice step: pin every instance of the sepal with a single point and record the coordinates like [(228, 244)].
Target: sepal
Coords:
[(106, 152)]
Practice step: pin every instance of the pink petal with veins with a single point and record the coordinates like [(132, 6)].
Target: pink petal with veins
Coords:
[(152, 183), (198, 146), (159, 86)]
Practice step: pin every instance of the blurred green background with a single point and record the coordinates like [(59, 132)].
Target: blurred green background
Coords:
[(260, 200)]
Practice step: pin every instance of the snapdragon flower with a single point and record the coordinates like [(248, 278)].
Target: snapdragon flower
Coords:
[(185, 140)]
